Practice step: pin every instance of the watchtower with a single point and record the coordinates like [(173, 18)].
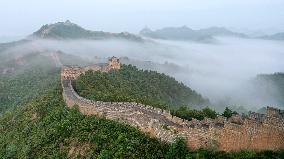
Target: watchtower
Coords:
[(113, 63), (273, 112)]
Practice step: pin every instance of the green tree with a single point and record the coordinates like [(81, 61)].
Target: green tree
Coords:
[(130, 84), (228, 112), (177, 150), (209, 113)]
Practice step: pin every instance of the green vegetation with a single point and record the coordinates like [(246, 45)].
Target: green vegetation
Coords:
[(62, 30), (228, 112), (24, 87), (41, 126), (188, 114), (46, 128), (68, 30), (36, 75), (131, 84), (147, 87), (29, 75)]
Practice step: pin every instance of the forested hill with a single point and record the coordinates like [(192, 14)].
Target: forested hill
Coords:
[(143, 86), (70, 31), (24, 77), (46, 128)]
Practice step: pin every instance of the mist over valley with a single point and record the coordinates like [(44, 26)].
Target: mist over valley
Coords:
[(142, 79), (223, 71)]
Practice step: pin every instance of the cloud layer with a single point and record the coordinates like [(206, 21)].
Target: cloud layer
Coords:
[(219, 71)]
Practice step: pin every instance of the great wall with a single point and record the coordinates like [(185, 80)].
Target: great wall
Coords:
[(256, 132)]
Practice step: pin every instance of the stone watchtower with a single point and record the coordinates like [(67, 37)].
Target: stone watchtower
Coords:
[(113, 63), (274, 112)]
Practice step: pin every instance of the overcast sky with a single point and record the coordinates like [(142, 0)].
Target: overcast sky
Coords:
[(22, 17)]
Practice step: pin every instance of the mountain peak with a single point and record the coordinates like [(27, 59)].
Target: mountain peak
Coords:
[(146, 30), (60, 30), (67, 22), (69, 30)]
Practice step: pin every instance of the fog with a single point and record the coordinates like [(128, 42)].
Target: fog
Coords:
[(219, 71)]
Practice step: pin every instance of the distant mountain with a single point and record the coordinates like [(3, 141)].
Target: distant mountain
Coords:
[(185, 33), (175, 33), (68, 30), (220, 31), (277, 36)]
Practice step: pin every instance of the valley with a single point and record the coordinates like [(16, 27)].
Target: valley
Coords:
[(69, 92)]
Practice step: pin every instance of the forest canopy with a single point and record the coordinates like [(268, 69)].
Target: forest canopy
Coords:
[(134, 85)]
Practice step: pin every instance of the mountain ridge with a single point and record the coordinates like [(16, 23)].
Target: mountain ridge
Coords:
[(69, 30), (186, 33), (276, 36)]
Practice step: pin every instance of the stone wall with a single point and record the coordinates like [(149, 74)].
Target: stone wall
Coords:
[(258, 132), (148, 119), (251, 135)]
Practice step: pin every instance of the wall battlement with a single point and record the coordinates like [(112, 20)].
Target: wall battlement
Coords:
[(74, 72), (258, 131)]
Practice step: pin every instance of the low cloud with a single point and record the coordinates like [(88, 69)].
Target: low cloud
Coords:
[(219, 71)]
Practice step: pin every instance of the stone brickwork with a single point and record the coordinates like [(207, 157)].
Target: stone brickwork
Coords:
[(147, 118), (258, 131), (113, 63), (73, 72)]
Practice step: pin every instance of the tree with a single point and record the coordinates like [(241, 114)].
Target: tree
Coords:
[(228, 112), (177, 150), (209, 113)]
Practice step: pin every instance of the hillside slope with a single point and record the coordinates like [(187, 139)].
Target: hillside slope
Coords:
[(131, 84), (70, 31), (46, 128), (24, 77)]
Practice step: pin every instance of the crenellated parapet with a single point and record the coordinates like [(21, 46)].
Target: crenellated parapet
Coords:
[(146, 118), (257, 131), (73, 72)]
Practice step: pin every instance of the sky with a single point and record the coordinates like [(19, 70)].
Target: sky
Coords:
[(20, 18)]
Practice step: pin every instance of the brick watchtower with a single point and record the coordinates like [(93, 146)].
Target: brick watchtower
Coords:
[(113, 63), (274, 112)]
